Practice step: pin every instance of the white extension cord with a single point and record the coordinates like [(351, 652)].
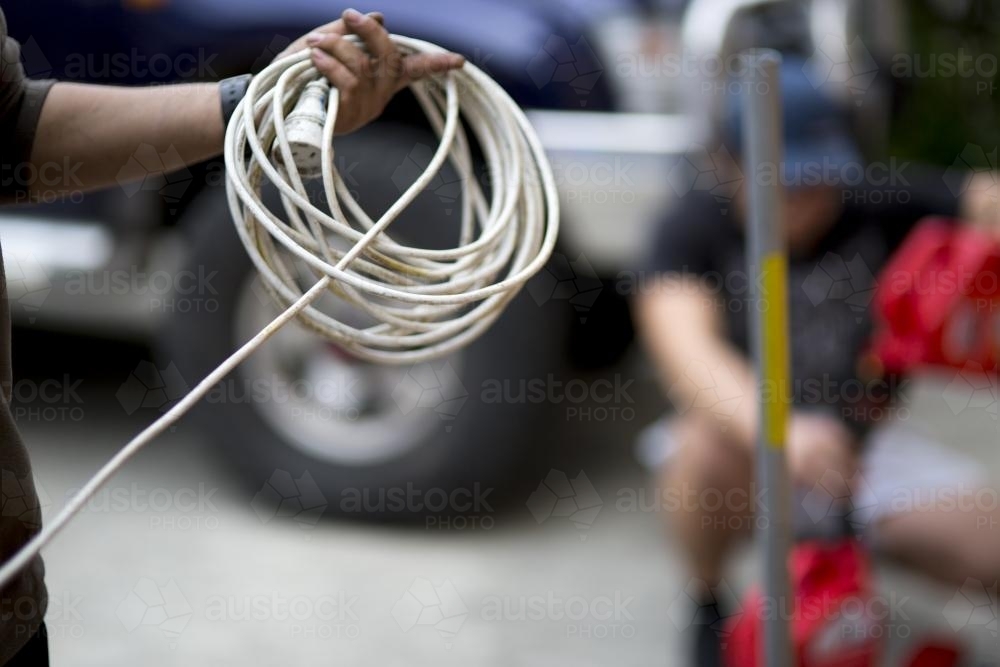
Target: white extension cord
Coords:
[(425, 303)]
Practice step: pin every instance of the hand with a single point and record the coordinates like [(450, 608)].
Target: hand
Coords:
[(980, 206), (818, 445), (366, 81)]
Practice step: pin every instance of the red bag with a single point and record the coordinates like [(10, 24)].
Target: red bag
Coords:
[(831, 623), (937, 302), (836, 620)]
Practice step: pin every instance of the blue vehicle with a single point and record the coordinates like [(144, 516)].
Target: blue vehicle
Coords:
[(300, 405), (349, 425)]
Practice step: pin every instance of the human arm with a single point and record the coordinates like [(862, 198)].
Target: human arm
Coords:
[(96, 130), (979, 202), (682, 332), (679, 323)]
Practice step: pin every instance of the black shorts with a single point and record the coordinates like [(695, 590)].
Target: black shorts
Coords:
[(35, 653)]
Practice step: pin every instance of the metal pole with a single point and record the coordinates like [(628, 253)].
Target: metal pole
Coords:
[(763, 151)]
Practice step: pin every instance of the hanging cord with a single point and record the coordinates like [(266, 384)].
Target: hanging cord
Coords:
[(424, 303)]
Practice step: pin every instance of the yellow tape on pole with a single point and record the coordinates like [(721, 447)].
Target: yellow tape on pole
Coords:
[(775, 364)]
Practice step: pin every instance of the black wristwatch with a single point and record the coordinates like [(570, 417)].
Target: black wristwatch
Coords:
[(232, 92)]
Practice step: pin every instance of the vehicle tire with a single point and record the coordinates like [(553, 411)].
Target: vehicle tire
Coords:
[(399, 439)]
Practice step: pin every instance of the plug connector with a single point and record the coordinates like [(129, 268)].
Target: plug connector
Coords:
[(304, 129)]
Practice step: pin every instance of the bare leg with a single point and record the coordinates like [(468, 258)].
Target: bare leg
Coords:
[(949, 543), (709, 486)]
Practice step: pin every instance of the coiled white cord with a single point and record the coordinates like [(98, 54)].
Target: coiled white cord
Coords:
[(425, 303)]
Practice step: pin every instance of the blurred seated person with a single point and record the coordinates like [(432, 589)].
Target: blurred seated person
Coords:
[(694, 319)]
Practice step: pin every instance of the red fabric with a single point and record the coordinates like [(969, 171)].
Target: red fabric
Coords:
[(937, 302), (825, 631), (836, 618), (935, 656)]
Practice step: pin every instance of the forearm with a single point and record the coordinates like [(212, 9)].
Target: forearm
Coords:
[(93, 132), (713, 365), (979, 202), (681, 334)]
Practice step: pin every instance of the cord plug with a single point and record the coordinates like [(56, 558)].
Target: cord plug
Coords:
[(304, 129)]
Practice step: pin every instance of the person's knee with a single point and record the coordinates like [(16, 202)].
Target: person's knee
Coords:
[(954, 547), (707, 460), (983, 554)]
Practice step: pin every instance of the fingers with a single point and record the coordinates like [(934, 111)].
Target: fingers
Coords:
[(337, 27), (369, 70), (421, 65), (338, 74), (348, 53), (371, 32)]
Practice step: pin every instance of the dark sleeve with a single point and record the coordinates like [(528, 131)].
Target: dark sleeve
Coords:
[(21, 102), (909, 194), (684, 240)]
